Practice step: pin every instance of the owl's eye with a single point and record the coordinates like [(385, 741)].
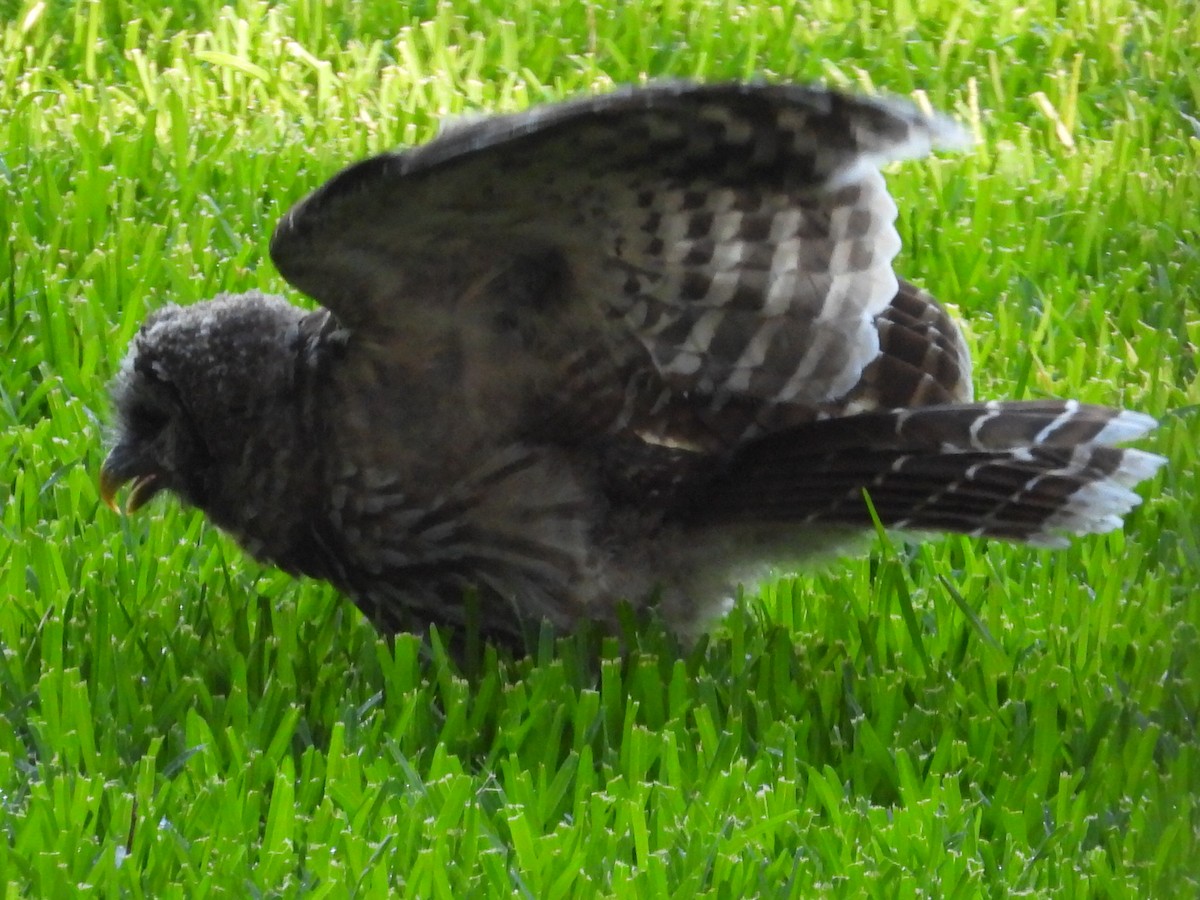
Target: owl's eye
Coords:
[(148, 369), (148, 420)]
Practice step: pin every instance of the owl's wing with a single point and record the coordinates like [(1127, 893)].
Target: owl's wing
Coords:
[(727, 244)]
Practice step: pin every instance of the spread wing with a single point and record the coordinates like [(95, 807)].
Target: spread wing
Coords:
[(677, 263)]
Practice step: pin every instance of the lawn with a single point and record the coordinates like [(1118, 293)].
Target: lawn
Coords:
[(947, 718)]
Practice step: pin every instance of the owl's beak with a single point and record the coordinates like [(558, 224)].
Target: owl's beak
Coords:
[(121, 467)]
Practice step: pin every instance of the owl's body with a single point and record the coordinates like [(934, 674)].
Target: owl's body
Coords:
[(649, 342)]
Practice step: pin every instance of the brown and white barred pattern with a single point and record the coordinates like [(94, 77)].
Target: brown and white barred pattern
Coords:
[(1026, 471)]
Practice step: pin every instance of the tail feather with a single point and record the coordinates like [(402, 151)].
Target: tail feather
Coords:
[(1027, 472)]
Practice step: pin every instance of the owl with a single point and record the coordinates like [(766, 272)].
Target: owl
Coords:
[(640, 347)]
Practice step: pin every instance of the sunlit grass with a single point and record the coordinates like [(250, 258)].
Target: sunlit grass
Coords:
[(953, 719)]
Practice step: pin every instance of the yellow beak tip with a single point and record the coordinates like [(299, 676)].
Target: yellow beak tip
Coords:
[(108, 491)]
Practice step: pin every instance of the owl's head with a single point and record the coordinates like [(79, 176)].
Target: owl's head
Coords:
[(198, 386)]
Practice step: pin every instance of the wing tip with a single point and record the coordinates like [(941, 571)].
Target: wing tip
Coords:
[(1101, 506), (927, 130), (1126, 425)]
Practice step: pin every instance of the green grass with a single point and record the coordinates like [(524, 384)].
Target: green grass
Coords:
[(950, 719)]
